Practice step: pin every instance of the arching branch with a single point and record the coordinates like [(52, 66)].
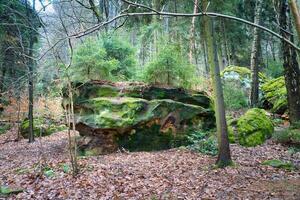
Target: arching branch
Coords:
[(161, 13)]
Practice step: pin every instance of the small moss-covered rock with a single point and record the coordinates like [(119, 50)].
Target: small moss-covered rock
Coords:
[(41, 127), (279, 164), (254, 127)]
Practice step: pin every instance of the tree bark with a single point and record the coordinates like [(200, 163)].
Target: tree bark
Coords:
[(296, 15), (30, 64), (192, 33), (226, 49), (255, 56), (155, 21), (290, 64), (30, 92), (224, 157)]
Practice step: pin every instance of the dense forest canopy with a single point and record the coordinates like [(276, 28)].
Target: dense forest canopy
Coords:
[(121, 75)]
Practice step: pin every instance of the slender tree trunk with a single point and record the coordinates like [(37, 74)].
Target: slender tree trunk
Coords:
[(30, 64), (155, 20), (224, 157), (30, 93), (290, 64), (296, 15), (205, 56), (95, 10), (204, 42), (226, 49), (2, 76), (18, 117), (72, 141), (192, 33), (255, 56)]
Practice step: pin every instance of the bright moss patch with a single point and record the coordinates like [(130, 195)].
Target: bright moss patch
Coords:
[(123, 112), (6, 191), (274, 92), (254, 127), (231, 135), (279, 164), (243, 72)]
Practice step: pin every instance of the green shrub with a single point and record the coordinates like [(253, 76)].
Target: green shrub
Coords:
[(41, 127), (289, 137), (234, 97), (274, 69), (170, 68), (203, 142), (108, 58), (4, 128)]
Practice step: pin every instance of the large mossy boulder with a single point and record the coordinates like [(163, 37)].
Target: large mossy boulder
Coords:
[(110, 116), (41, 127), (275, 95), (254, 127)]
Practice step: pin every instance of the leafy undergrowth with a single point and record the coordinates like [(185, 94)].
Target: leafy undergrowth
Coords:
[(171, 174)]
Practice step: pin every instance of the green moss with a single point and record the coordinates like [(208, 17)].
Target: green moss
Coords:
[(6, 191), (279, 164), (231, 135), (274, 91), (122, 112), (243, 72), (107, 91), (254, 127)]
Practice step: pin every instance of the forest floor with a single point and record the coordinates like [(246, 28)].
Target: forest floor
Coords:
[(170, 174)]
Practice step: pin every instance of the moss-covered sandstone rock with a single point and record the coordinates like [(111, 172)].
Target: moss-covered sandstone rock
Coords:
[(115, 115), (275, 95), (254, 127)]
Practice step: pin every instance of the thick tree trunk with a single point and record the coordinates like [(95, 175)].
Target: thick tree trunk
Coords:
[(296, 15), (290, 64), (255, 56), (192, 33), (224, 157)]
